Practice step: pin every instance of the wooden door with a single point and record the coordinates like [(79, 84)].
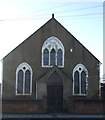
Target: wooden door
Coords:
[(55, 95)]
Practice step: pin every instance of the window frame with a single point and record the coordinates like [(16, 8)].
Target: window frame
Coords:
[(21, 67), (59, 53), (53, 57), (45, 55), (53, 43), (20, 82), (83, 68), (77, 82)]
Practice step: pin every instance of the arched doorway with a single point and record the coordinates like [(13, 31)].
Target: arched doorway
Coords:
[(55, 93)]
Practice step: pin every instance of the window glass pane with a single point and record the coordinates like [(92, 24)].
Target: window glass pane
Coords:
[(83, 82), (27, 81), (59, 57), (52, 57), (103, 91), (20, 82), (46, 57), (76, 82)]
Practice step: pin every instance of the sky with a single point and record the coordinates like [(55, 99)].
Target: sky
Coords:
[(20, 18)]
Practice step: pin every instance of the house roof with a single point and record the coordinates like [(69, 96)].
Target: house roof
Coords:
[(52, 19)]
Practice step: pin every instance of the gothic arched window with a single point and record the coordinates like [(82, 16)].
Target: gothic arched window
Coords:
[(76, 81), (80, 83), (83, 82), (27, 81), (52, 57), (59, 57), (46, 56), (20, 82), (23, 79), (52, 53)]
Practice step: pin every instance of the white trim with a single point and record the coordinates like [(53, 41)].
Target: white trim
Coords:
[(83, 68), (23, 82), (99, 81), (36, 90), (80, 82), (2, 77), (55, 57), (21, 67), (56, 44)]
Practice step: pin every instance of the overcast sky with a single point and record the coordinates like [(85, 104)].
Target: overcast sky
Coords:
[(20, 18)]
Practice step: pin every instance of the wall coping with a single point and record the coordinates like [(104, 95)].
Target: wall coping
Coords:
[(51, 116)]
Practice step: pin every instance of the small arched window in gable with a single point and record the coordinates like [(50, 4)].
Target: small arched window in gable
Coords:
[(52, 53), (23, 79), (80, 83)]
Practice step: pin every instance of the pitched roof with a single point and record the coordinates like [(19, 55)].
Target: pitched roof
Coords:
[(50, 20)]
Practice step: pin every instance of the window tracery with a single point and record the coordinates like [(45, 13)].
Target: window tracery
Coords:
[(23, 79), (52, 53), (80, 83)]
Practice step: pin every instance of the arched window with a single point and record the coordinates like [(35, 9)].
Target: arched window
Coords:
[(76, 81), (46, 57), (59, 57), (23, 79), (20, 82), (80, 83), (27, 81), (52, 57), (52, 53), (83, 82)]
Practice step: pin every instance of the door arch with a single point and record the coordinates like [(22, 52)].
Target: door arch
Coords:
[(55, 93)]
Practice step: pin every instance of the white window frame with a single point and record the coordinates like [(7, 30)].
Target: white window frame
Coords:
[(83, 68), (53, 43), (20, 67)]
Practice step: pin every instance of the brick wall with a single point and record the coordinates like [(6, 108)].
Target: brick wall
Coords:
[(86, 106), (24, 107), (74, 106)]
